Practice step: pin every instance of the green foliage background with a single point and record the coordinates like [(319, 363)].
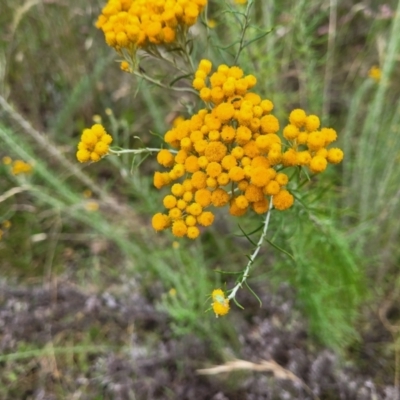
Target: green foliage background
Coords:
[(340, 240)]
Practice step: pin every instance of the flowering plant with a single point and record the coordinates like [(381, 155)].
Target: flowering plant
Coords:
[(231, 152)]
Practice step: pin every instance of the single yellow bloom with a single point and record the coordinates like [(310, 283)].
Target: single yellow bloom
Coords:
[(375, 73), (92, 206), (211, 23), (7, 160), (125, 66), (220, 303)]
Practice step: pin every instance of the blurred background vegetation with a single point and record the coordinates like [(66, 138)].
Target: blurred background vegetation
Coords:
[(72, 230)]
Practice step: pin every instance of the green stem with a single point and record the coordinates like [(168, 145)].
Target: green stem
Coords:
[(160, 84), (139, 151), (254, 255), (243, 34)]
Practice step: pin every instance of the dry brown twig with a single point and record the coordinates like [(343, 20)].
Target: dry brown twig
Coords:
[(264, 366), (394, 330)]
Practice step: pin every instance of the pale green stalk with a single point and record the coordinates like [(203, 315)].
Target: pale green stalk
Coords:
[(254, 254), (139, 151), (372, 126)]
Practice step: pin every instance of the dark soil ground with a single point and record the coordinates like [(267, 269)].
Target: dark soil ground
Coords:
[(145, 361)]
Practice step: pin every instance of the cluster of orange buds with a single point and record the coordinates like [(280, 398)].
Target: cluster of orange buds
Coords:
[(94, 144), (308, 144), (133, 24), (227, 154)]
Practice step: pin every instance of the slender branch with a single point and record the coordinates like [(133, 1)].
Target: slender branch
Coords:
[(163, 85), (254, 255), (243, 34), (139, 151), (13, 192)]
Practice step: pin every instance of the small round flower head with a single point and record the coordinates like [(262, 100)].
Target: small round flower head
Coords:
[(198, 83), (335, 155), (94, 156), (253, 193), (175, 214), (267, 106), (206, 218), (205, 65), (219, 197), (291, 132), (124, 66), (283, 200), (205, 94), (199, 179), (272, 188), (235, 210), (224, 111), (329, 134), (298, 117), (318, 164), (220, 303), (289, 158), (169, 201), (195, 209), (303, 157), (260, 207), (177, 189), (316, 140), (160, 221), (312, 123), (179, 228), (165, 158), (192, 232), (235, 72), (241, 202), (215, 151), (269, 124), (203, 197), (282, 178), (83, 155)]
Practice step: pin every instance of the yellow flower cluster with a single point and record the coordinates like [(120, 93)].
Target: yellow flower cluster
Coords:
[(220, 303), (230, 153), (21, 167), (133, 24), (307, 143), (94, 144)]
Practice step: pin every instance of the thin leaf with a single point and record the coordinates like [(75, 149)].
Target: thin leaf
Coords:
[(227, 273), (136, 166), (237, 303), (246, 236), (257, 38), (178, 79), (229, 46), (253, 293), (280, 249), (159, 135)]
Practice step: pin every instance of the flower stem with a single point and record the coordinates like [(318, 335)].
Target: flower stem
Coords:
[(160, 84), (244, 29), (138, 151), (254, 255)]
